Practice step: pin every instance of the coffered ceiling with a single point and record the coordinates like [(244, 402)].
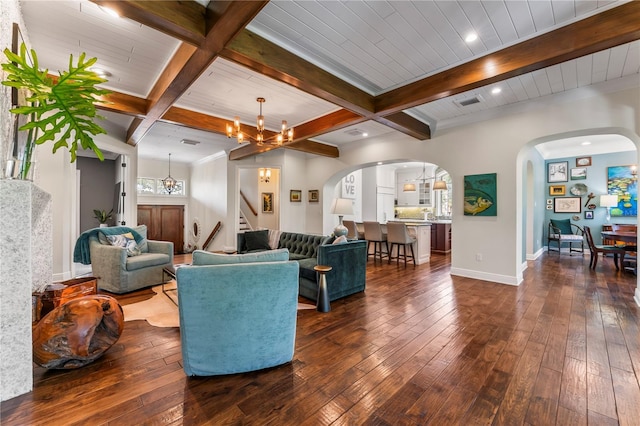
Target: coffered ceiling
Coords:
[(333, 69)]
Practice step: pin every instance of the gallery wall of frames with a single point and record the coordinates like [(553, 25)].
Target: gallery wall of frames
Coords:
[(573, 186)]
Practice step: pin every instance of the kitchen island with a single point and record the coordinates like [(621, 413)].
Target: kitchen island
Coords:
[(421, 230)]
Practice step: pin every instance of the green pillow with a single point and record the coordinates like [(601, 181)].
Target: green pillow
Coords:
[(206, 258), (564, 225), (257, 240)]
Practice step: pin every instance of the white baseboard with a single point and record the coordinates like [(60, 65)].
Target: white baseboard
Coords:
[(537, 254), (496, 278)]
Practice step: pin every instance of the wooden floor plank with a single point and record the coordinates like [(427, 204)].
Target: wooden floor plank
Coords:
[(419, 347)]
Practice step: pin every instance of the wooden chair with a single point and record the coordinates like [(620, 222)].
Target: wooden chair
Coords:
[(563, 232), (595, 249)]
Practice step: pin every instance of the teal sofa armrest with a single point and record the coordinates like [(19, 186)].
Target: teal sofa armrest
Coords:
[(237, 317), (348, 273)]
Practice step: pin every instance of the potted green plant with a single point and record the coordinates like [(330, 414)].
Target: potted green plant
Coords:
[(102, 216), (59, 109)]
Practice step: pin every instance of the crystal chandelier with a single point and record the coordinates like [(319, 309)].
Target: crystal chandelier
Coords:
[(169, 183), (286, 134)]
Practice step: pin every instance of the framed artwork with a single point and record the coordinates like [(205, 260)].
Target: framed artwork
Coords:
[(578, 173), (583, 161), (567, 205), (622, 181), (588, 214), (480, 195), (557, 190), (558, 171), (267, 202), (314, 195), (295, 196)]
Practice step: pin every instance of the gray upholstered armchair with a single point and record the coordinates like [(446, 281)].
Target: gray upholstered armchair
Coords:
[(118, 273)]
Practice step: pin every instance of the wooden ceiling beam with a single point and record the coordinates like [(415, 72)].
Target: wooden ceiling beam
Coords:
[(330, 122), (317, 148), (406, 124), (267, 58), (222, 21), (184, 20), (605, 30)]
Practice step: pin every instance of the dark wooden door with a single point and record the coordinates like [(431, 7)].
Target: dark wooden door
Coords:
[(164, 223)]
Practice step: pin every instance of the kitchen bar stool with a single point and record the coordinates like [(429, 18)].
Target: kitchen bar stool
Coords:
[(373, 234), (398, 236)]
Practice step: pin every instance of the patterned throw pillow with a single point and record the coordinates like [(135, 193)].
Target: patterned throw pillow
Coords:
[(125, 241)]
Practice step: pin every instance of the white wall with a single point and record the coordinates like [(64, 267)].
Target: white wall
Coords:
[(487, 147), (208, 202)]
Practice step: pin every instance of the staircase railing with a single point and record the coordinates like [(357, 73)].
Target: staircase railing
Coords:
[(212, 235), (253, 210)]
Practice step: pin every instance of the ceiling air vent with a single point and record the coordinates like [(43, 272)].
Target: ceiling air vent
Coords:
[(469, 101), (354, 132)]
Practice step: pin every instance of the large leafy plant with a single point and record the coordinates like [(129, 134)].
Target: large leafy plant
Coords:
[(60, 109)]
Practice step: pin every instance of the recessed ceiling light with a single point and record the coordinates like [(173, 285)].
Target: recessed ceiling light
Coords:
[(471, 37), (364, 135), (380, 163), (496, 90), (586, 143), (189, 142)]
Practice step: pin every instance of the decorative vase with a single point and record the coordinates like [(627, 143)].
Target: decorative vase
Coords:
[(104, 225)]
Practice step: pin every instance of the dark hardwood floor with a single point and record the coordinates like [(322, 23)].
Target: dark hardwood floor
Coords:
[(418, 347)]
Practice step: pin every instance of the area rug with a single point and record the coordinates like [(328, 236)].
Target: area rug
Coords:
[(158, 310)]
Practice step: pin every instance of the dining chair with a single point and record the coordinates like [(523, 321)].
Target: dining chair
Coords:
[(373, 233), (596, 249), (398, 236)]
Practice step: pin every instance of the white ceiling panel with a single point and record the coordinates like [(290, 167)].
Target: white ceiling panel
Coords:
[(134, 55), (227, 89)]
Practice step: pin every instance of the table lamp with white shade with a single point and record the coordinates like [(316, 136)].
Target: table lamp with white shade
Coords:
[(341, 207), (608, 201)]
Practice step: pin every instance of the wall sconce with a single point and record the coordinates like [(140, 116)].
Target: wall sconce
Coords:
[(265, 175)]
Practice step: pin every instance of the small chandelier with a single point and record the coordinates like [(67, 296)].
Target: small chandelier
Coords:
[(286, 134), (169, 183)]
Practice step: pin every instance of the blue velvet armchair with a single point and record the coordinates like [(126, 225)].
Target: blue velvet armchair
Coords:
[(237, 312)]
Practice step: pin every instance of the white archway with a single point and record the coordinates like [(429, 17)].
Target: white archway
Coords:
[(525, 175)]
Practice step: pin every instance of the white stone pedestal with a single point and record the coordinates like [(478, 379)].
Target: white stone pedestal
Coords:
[(26, 265)]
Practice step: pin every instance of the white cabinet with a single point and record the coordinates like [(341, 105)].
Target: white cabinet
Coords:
[(422, 246)]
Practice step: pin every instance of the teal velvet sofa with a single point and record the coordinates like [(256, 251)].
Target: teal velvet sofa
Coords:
[(347, 260), (237, 312)]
